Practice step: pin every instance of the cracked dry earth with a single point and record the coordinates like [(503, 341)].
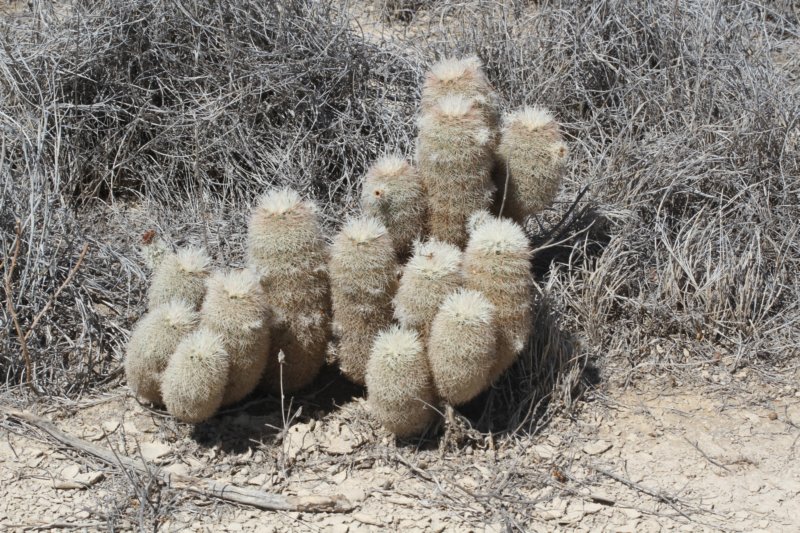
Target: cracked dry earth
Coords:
[(655, 456)]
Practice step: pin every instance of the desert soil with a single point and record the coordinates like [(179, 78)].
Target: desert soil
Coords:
[(656, 455)]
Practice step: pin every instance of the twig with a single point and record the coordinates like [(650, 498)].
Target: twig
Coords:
[(709, 459), (13, 312), (53, 298), (203, 487), (668, 499), (55, 525)]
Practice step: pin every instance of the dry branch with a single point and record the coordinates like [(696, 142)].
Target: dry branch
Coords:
[(55, 295), (23, 345), (203, 487)]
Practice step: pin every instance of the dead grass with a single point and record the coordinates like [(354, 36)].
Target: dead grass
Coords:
[(686, 134)]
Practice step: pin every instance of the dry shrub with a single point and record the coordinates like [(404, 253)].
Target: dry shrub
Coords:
[(685, 132), (193, 109)]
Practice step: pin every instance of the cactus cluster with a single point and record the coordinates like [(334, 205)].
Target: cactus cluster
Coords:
[(463, 302), (209, 339), (424, 297)]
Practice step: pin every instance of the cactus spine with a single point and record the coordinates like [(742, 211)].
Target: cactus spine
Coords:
[(464, 77), (455, 159), (400, 391), (497, 264), (363, 280), (393, 194), (461, 349), (151, 344), (236, 308), (180, 276), (534, 158), (194, 381), (286, 246), (433, 272)]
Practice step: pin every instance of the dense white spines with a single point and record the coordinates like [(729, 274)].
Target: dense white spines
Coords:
[(393, 193), (236, 308), (363, 280), (194, 381), (151, 344), (461, 348), (455, 159), (400, 391), (464, 77), (497, 264), (180, 276), (433, 272), (534, 158), (286, 246)]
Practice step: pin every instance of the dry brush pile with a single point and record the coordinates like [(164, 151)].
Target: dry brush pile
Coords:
[(683, 155)]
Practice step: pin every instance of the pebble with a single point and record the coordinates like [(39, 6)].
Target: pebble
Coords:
[(597, 447), (154, 450)]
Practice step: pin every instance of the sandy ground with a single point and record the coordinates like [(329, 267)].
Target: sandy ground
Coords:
[(647, 458)]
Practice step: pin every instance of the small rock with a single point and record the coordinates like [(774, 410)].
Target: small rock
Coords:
[(544, 451), (258, 481), (110, 426), (90, 478), (71, 471), (353, 492), (74, 479), (597, 447), (177, 468), (367, 519), (154, 450)]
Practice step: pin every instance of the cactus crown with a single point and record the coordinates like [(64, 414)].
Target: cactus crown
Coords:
[(467, 307), (389, 165), (363, 229), (204, 343), (435, 258), (454, 105), (499, 235), (396, 345), (451, 69), (280, 201), (178, 313), (531, 117), (193, 260), (477, 219), (238, 283)]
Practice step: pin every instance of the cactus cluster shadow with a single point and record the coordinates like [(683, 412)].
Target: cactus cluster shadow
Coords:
[(258, 418), (550, 371)]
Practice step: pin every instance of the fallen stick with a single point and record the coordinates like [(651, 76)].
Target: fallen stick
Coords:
[(203, 487), (668, 499)]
